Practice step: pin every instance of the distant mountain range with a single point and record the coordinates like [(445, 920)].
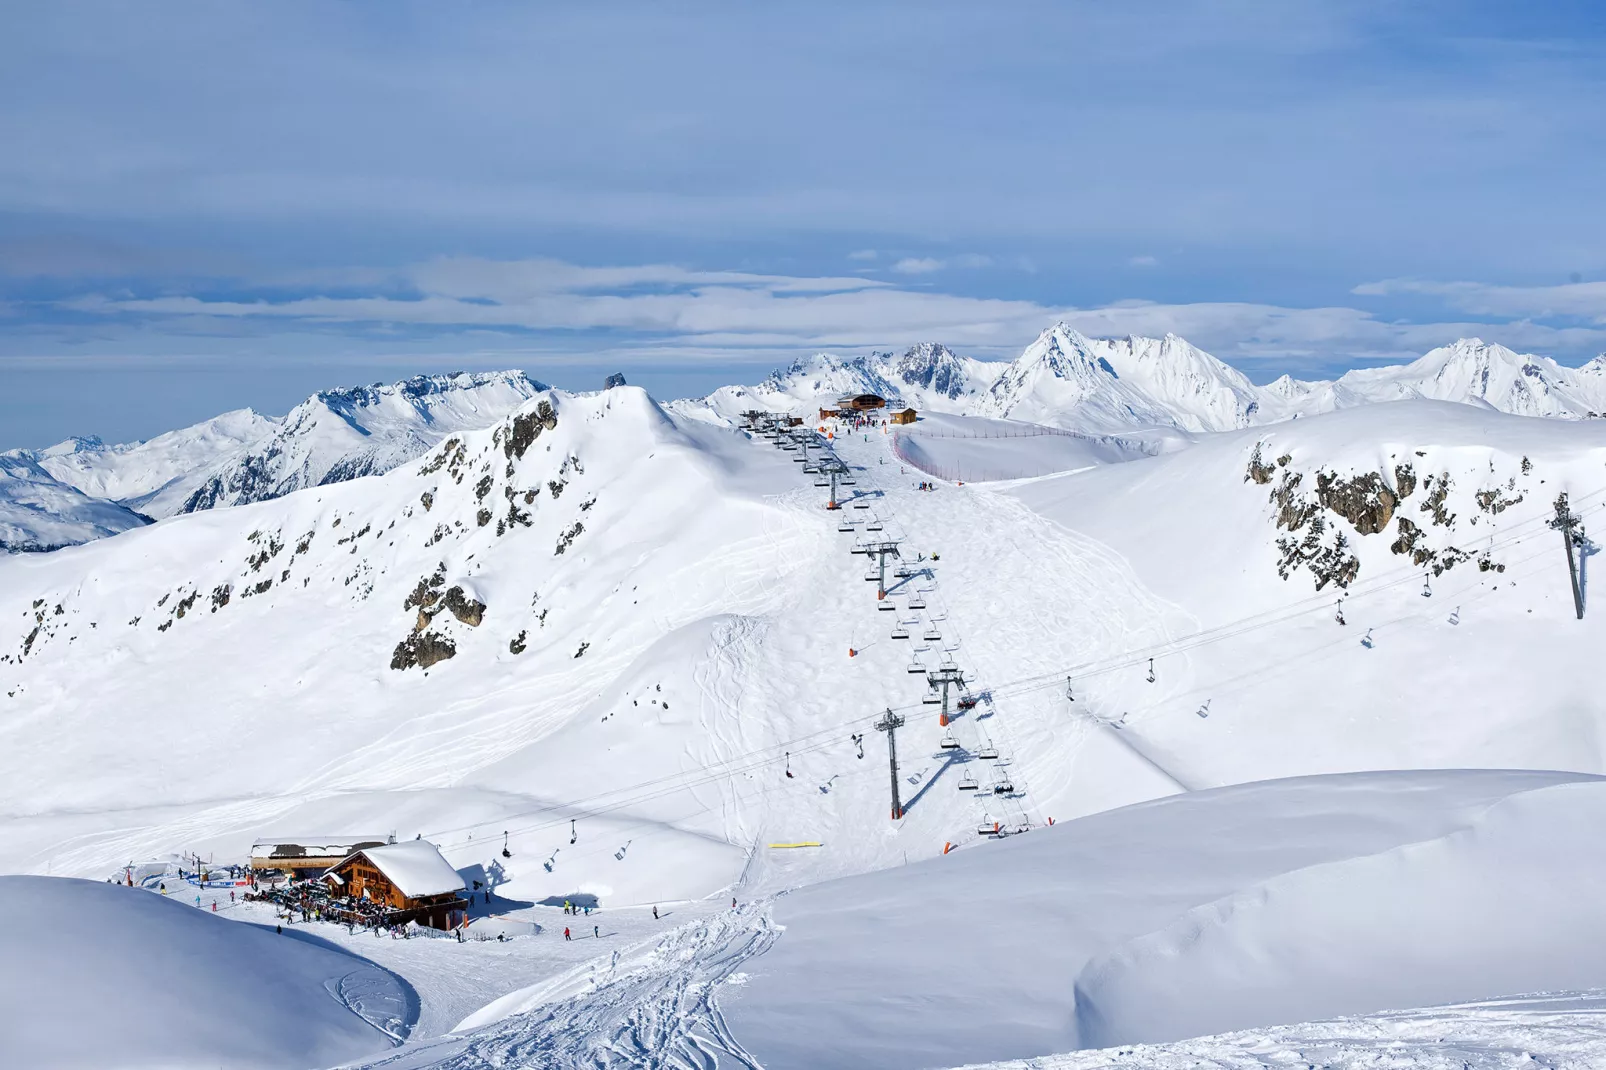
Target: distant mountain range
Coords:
[(1108, 385), (83, 489)]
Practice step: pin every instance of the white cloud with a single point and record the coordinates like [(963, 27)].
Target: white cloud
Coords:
[(918, 265), (863, 254), (1579, 299), (673, 308)]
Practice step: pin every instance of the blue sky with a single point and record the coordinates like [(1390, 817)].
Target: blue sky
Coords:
[(205, 206)]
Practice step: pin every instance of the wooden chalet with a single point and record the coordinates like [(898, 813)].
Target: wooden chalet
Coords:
[(308, 857), (907, 416), (394, 883), (861, 403)]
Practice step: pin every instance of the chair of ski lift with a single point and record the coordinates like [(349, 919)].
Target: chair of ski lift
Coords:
[(968, 783), (861, 505), (873, 525), (873, 577), (1003, 787), (931, 635), (931, 698), (822, 482), (846, 525), (987, 751), (915, 667), (900, 631), (987, 827), (917, 602), (967, 702), (887, 606), (948, 742)]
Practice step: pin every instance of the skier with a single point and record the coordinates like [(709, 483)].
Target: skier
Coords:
[(733, 902), (566, 932), (654, 913), (595, 935), (279, 929)]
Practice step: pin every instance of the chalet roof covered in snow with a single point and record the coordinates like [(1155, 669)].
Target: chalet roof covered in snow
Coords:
[(415, 867)]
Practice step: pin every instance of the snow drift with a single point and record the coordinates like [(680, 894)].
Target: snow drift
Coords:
[(1251, 905), (96, 975)]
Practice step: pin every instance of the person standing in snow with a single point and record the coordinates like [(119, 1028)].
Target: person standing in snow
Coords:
[(595, 935), (654, 913), (566, 932)]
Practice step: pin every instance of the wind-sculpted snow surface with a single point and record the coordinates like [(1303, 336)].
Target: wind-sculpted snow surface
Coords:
[(96, 974), (657, 1004), (1562, 1031), (1246, 906)]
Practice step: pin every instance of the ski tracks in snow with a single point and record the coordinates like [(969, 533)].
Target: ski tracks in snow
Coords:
[(654, 1005)]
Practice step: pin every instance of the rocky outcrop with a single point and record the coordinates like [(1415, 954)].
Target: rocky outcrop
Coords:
[(1364, 500), (468, 610), (422, 649), (522, 430)]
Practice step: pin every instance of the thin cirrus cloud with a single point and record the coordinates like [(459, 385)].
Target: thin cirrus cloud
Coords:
[(1585, 300), (667, 307)]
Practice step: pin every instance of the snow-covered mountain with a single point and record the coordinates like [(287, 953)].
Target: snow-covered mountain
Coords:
[(39, 512), (83, 489), (1110, 385), (157, 476), (635, 650), (338, 435), (1470, 371)]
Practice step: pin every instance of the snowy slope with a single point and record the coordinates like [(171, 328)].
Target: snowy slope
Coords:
[(101, 975), (39, 512), (1255, 905)]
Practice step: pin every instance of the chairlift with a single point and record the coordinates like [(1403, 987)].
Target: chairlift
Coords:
[(948, 742), (917, 602), (932, 635), (1003, 787), (858, 740), (967, 702), (789, 765), (873, 525), (861, 505), (931, 698), (1427, 588), (1339, 614), (903, 572), (822, 482), (846, 525), (987, 827), (1070, 693), (987, 751), (900, 631), (887, 605), (968, 783), (573, 834), (505, 852), (620, 853), (915, 667), (1151, 670)]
